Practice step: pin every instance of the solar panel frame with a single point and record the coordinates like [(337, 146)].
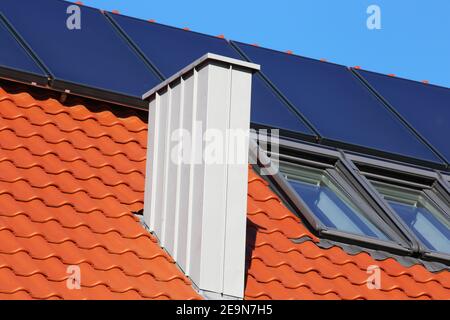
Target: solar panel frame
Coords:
[(144, 47), (413, 125), (295, 129), (38, 76), (101, 74), (110, 16), (437, 163), (286, 101), (137, 30)]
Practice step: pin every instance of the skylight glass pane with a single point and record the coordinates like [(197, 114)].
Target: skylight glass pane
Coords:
[(329, 203), (424, 218)]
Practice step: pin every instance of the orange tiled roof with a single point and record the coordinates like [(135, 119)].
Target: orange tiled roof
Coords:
[(282, 269), (70, 176), (69, 180)]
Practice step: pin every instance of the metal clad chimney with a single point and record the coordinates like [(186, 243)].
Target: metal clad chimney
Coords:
[(196, 195)]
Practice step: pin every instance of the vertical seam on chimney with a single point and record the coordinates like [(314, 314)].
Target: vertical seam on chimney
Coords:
[(166, 167), (178, 174), (191, 172), (152, 220), (227, 152)]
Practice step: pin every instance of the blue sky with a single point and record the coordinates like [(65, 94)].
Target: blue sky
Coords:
[(413, 42)]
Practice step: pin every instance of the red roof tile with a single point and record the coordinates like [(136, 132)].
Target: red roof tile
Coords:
[(281, 269), (70, 179)]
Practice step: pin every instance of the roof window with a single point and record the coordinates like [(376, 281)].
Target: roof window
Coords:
[(422, 211), (332, 204)]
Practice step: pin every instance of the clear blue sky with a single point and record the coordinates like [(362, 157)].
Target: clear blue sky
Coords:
[(414, 40)]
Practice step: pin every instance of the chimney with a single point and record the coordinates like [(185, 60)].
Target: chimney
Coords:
[(196, 175)]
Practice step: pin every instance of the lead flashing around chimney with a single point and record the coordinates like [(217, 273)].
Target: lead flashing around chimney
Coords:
[(197, 208)]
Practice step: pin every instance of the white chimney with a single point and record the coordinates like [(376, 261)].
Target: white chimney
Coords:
[(197, 205)]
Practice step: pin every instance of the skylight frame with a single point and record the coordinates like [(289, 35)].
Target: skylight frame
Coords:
[(437, 194), (351, 162), (443, 186), (400, 243), (358, 203)]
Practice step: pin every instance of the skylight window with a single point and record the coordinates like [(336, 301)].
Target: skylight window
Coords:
[(335, 206), (365, 202), (428, 220)]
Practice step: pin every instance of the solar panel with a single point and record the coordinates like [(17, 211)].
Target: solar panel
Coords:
[(425, 107), (170, 49), (338, 105), (16, 62), (270, 112), (94, 57)]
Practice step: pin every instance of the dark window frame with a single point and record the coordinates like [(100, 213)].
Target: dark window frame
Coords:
[(334, 161), (435, 192), (349, 170)]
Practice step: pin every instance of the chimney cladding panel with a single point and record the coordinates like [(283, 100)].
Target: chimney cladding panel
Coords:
[(197, 209), (185, 192)]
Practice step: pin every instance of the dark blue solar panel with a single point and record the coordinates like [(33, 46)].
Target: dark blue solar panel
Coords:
[(94, 56), (425, 107), (269, 111), (13, 57), (168, 48), (337, 103)]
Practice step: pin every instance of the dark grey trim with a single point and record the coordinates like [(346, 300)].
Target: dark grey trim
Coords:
[(301, 240), (99, 94), (297, 160), (436, 198), (443, 187), (395, 181), (367, 242), (437, 256), (358, 158), (445, 180), (407, 261), (24, 77), (392, 165)]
